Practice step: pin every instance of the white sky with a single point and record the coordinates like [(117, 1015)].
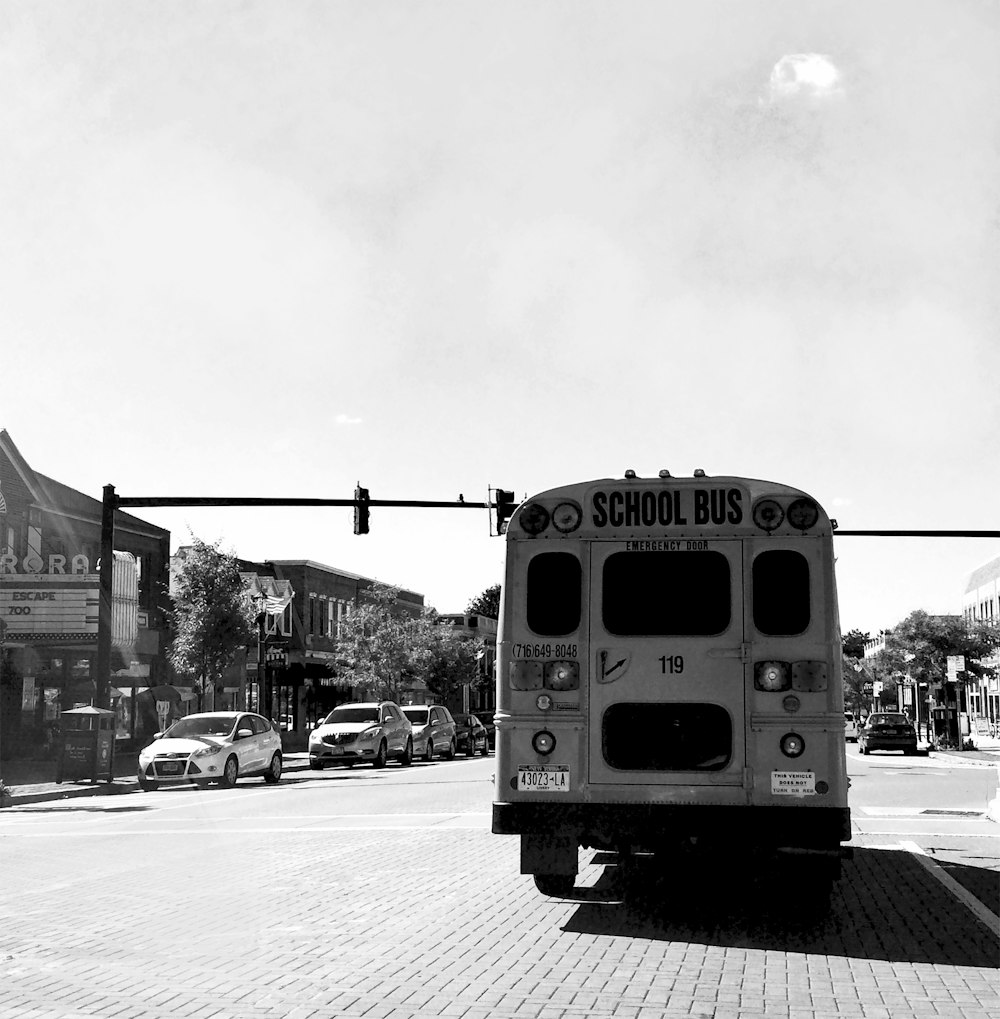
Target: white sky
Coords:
[(279, 248)]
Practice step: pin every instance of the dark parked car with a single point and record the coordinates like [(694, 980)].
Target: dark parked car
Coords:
[(470, 735), (486, 717), (887, 730)]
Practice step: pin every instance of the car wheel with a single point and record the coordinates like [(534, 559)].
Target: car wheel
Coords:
[(429, 751), (273, 773), (557, 885), (316, 765), (470, 750), (450, 752), (407, 759), (382, 756), (146, 786), (230, 773)]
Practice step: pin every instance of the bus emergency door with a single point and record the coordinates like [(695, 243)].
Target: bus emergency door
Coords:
[(668, 663)]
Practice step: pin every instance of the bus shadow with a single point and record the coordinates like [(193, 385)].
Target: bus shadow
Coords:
[(886, 906)]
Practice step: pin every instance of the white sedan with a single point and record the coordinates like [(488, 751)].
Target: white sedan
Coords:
[(213, 746)]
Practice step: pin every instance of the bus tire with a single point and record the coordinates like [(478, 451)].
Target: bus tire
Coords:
[(559, 886)]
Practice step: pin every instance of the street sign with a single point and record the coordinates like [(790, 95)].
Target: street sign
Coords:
[(956, 664)]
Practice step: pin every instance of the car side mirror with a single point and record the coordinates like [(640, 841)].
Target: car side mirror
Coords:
[(244, 733)]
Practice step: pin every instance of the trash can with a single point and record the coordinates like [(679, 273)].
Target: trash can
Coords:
[(88, 745)]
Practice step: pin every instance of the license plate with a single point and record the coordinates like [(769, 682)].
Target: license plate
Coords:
[(336, 751), (793, 783), (543, 778), (171, 767)]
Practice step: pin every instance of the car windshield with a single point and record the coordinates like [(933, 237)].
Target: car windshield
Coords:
[(888, 720), (418, 716), (349, 713), (202, 725)]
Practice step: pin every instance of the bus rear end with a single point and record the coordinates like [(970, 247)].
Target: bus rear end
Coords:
[(669, 676)]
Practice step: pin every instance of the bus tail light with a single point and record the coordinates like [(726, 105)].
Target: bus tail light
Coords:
[(806, 677), (771, 676), (562, 676), (525, 675), (792, 744), (543, 742)]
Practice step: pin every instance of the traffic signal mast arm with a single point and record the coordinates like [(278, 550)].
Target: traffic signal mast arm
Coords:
[(168, 501)]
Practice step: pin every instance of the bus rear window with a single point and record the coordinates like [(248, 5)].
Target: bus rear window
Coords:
[(666, 593), (781, 592), (667, 737), (554, 593)]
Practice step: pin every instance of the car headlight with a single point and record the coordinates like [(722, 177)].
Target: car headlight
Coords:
[(368, 734), (205, 751)]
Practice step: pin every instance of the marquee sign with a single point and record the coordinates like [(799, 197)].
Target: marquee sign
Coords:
[(50, 606)]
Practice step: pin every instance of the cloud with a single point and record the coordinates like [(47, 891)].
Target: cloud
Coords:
[(808, 75), (345, 419)]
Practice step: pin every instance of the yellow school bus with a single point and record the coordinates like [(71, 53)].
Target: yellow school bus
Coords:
[(669, 677)]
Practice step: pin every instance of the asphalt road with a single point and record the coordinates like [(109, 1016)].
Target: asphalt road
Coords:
[(384, 894)]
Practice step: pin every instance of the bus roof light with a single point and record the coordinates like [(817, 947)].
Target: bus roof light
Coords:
[(534, 518), (566, 517), (803, 514), (768, 514)]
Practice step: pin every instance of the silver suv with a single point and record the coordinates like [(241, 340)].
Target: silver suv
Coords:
[(372, 731), (434, 730)]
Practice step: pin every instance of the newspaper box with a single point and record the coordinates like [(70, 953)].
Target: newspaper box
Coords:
[(88, 745)]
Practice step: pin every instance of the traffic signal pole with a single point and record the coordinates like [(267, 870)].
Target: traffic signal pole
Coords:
[(113, 502)]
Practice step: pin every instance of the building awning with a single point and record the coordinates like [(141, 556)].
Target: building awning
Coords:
[(127, 691)]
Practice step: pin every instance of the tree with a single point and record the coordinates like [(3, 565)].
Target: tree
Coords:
[(378, 644), (213, 616), (921, 643), (853, 643), (855, 678), (487, 603), (451, 661)]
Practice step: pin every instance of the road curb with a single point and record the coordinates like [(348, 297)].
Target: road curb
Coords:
[(118, 787)]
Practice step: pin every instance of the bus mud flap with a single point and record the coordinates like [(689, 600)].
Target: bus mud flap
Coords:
[(548, 854)]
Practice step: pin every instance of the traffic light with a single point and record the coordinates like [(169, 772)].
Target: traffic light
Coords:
[(505, 506), (360, 510)]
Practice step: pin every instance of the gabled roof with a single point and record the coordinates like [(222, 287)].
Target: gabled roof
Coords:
[(55, 497)]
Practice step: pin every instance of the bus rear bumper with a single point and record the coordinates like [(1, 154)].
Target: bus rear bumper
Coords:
[(652, 826)]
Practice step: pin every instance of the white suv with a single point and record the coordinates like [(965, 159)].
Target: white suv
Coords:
[(372, 731), (850, 727)]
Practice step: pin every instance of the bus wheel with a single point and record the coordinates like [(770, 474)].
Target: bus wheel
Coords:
[(557, 885)]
